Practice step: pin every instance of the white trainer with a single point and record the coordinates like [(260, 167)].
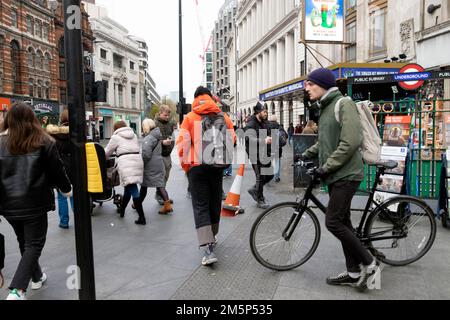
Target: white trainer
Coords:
[(38, 285), (16, 295)]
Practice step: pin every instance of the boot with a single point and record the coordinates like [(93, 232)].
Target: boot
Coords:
[(124, 205), (167, 208), (138, 205)]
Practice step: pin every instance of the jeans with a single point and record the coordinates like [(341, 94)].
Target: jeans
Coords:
[(31, 235), (206, 201), (290, 139), (277, 167), (338, 222), (63, 209), (261, 180), (228, 171)]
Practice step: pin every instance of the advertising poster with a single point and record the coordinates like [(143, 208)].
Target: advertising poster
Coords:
[(397, 130), (324, 20)]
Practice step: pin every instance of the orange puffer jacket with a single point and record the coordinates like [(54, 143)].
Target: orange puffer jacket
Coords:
[(189, 139)]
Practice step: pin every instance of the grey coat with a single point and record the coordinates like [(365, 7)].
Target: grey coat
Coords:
[(154, 172)]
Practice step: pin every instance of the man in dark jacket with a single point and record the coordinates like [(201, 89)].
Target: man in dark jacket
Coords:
[(291, 131), (164, 124), (258, 146), (342, 169)]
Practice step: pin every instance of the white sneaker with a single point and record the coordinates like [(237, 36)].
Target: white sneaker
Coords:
[(16, 295), (38, 285)]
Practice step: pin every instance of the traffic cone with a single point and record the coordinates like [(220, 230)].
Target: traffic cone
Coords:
[(231, 207)]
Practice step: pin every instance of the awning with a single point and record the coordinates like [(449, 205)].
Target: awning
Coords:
[(294, 89)]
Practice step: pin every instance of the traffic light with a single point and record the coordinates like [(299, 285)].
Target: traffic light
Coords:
[(95, 91), (185, 110)]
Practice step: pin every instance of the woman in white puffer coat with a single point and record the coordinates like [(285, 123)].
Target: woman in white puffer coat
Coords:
[(130, 166)]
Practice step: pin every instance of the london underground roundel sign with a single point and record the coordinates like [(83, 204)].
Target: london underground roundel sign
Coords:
[(411, 85)]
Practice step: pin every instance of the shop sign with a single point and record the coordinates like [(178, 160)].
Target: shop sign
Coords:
[(5, 103), (282, 91), (106, 112)]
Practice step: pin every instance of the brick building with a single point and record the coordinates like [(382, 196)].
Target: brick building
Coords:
[(32, 65)]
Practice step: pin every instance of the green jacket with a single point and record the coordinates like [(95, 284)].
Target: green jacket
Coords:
[(338, 144)]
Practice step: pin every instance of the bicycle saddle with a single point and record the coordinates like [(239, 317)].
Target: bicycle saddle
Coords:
[(387, 164)]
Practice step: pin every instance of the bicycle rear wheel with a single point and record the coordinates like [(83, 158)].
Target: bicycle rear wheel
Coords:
[(408, 218), (272, 249)]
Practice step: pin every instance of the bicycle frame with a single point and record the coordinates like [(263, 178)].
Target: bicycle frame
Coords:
[(309, 196)]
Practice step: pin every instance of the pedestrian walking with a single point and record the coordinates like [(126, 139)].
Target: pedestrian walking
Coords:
[(124, 143), (291, 132), (310, 128), (342, 170), (166, 127), (62, 137), (258, 145), (30, 167), (275, 129), (154, 169), (204, 180)]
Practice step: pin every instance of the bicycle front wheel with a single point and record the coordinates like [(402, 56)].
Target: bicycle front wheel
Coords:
[(269, 243), (402, 230)]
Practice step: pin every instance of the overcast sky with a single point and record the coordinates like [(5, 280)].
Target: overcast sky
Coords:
[(157, 22)]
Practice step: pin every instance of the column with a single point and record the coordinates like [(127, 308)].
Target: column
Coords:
[(259, 77), (255, 78), (244, 36), (260, 13), (273, 66), (280, 61), (289, 61), (249, 81), (266, 69), (282, 11), (254, 26), (240, 85)]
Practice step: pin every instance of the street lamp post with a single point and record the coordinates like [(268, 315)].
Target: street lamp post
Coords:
[(77, 123), (181, 92)]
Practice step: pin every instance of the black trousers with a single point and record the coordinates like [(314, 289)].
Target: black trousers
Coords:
[(206, 189), (2, 251), (261, 178), (31, 235), (338, 222)]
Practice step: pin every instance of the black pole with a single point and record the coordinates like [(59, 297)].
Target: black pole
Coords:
[(77, 122), (181, 93)]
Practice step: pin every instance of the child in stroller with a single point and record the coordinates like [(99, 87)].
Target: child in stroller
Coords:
[(110, 179)]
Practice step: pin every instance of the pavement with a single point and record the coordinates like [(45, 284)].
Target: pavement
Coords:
[(161, 261)]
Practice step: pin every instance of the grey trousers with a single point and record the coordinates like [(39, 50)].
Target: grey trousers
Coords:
[(167, 166)]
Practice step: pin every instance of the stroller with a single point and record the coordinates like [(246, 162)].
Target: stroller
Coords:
[(110, 179)]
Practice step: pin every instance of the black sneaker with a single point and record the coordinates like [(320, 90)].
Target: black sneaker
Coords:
[(262, 204), (343, 279), (366, 277), (254, 194)]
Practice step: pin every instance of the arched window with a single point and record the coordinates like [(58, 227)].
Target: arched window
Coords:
[(39, 89), (47, 90), (61, 48), (15, 59), (31, 87), (47, 59), (30, 57), (38, 60)]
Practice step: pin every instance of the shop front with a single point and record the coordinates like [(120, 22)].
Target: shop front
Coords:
[(106, 123), (5, 103), (283, 100)]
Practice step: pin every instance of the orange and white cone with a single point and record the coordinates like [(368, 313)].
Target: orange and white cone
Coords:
[(231, 207)]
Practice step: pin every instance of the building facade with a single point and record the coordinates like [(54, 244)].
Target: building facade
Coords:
[(208, 71), (221, 62), (116, 60), (28, 56), (268, 54)]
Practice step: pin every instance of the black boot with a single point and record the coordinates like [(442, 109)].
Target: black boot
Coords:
[(140, 211), (124, 205)]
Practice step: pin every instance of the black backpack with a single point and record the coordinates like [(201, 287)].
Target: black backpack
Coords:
[(283, 137), (217, 144)]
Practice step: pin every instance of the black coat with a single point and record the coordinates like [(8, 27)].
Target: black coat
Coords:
[(27, 181), (62, 137), (254, 137)]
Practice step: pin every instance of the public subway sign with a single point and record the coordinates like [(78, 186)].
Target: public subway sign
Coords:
[(323, 21), (282, 91)]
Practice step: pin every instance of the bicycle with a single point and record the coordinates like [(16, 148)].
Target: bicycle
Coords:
[(286, 236)]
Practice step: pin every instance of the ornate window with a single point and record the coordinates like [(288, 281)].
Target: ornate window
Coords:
[(39, 89), (30, 25), (15, 59), (47, 59), (30, 57), (38, 29), (31, 87), (61, 48), (14, 19), (38, 60)]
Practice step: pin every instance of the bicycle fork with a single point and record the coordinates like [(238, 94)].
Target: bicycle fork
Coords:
[(294, 221)]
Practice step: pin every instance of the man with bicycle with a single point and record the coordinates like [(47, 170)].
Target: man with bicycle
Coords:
[(342, 170)]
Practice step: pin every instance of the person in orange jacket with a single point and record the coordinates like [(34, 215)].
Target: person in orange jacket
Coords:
[(205, 181)]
